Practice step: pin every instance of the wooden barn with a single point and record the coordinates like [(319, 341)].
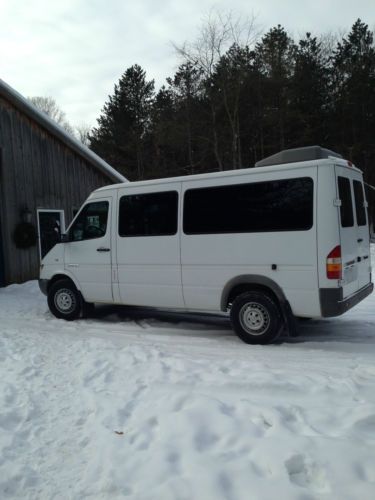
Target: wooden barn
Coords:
[(45, 175)]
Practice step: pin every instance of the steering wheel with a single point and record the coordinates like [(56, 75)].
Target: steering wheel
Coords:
[(94, 231)]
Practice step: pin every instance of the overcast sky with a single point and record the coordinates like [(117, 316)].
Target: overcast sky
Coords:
[(76, 50)]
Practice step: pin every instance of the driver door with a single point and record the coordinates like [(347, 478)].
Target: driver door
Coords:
[(88, 254)]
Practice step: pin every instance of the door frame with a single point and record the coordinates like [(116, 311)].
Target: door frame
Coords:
[(62, 228)]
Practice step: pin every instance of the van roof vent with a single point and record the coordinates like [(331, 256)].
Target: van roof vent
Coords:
[(297, 154)]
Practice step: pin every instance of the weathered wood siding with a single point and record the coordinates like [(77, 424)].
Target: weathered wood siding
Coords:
[(37, 171)]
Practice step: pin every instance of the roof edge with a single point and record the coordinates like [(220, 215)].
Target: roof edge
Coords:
[(51, 126)]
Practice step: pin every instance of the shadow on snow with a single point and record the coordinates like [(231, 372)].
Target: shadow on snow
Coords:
[(343, 329)]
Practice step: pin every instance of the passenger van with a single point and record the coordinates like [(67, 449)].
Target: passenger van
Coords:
[(288, 238)]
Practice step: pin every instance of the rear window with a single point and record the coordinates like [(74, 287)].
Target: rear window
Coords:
[(346, 208), (359, 203)]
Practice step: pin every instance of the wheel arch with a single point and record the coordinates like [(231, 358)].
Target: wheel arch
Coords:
[(250, 282), (62, 276)]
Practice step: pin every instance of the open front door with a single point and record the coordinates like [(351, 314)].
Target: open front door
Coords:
[(51, 224)]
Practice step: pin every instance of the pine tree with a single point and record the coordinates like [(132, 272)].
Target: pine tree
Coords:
[(354, 92), (308, 93), (275, 54), (121, 134), (163, 118), (353, 122), (228, 81), (186, 88)]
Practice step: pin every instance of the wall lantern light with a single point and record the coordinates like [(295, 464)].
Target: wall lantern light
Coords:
[(26, 214)]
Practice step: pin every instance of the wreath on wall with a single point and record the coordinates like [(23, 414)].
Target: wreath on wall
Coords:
[(25, 235)]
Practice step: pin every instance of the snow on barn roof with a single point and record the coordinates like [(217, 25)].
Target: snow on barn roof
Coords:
[(52, 127)]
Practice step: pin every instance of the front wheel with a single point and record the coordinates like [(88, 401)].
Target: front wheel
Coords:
[(64, 300), (255, 317)]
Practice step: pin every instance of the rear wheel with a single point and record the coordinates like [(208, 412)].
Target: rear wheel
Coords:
[(64, 300), (255, 317)]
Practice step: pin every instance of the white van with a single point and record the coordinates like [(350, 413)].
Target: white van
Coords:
[(288, 238)]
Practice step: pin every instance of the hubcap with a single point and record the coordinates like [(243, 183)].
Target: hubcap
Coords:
[(65, 300), (254, 318)]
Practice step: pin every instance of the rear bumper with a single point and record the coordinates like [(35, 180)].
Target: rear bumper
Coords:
[(333, 304), (43, 285)]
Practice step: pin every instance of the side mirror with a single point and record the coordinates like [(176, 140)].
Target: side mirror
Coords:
[(64, 238)]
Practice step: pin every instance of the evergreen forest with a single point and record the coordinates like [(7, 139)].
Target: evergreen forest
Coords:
[(232, 102)]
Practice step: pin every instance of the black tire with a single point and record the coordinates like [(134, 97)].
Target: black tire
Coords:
[(256, 318), (64, 300)]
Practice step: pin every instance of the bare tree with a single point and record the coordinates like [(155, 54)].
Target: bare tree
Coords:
[(328, 42), (83, 132), (218, 33), (49, 106)]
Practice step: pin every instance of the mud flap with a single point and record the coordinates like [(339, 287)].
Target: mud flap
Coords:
[(290, 322)]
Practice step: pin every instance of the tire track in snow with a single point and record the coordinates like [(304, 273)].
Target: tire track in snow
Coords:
[(197, 416)]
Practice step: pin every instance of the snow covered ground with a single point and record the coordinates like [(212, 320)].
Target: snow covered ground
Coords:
[(140, 405)]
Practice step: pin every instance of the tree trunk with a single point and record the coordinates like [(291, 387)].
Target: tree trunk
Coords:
[(215, 139)]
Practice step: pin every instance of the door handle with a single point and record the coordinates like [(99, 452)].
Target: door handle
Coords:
[(103, 249), (360, 240)]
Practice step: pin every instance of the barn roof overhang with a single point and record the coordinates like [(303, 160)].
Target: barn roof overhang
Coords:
[(25, 106)]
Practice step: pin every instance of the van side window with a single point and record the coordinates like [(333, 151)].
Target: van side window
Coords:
[(150, 214), (359, 203), (346, 208), (91, 222), (280, 205)]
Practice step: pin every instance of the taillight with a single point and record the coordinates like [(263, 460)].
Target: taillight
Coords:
[(334, 264)]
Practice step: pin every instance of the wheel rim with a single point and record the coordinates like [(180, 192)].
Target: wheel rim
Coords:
[(254, 318), (65, 301)]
